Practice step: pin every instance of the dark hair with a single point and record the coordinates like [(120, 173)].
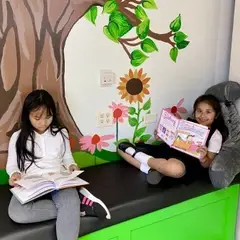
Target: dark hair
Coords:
[(34, 101), (218, 123)]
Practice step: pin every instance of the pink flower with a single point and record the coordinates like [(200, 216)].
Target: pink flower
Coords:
[(176, 110), (119, 112), (90, 143)]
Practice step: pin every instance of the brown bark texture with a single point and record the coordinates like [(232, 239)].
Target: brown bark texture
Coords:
[(32, 38)]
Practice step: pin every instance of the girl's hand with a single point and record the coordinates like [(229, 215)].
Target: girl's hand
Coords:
[(156, 135), (15, 177), (203, 153), (73, 168)]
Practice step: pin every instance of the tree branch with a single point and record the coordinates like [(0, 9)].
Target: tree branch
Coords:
[(164, 37), (135, 1), (129, 5), (126, 2), (128, 42), (124, 47), (130, 39)]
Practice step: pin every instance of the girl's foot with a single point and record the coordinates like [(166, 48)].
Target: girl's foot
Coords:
[(154, 177), (127, 147), (92, 206)]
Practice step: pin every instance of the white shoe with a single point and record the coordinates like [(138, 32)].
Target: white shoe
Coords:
[(89, 200)]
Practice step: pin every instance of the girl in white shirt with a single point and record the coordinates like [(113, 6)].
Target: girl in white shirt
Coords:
[(161, 160), (42, 146)]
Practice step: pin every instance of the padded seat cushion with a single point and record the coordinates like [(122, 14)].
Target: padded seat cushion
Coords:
[(123, 189)]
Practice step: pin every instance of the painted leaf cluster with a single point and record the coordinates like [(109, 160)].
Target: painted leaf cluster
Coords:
[(134, 121), (179, 38), (118, 26)]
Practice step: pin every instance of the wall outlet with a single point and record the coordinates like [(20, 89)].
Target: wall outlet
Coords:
[(105, 119), (107, 78), (150, 118)]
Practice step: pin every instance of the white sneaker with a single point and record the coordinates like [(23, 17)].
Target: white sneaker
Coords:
[(91, 205)]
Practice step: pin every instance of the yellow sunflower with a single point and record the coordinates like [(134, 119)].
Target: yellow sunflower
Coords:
[(133, 86)]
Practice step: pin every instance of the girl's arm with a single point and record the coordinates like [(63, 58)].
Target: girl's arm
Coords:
[(214, 146), (207, 160), (12, 166)]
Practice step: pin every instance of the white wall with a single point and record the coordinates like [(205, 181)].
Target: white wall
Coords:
[(203, 63), (234, 74), (225, 28)]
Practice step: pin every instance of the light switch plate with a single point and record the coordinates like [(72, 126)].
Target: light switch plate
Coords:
[(150, 118), (107, 78), (104, 118)]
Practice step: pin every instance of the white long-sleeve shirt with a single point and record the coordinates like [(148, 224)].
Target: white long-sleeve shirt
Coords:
[(49, 148)]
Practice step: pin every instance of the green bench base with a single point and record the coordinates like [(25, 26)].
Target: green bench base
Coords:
[(209, 217)]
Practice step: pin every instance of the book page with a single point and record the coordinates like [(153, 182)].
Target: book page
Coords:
[(189, 137), (71, 183), (34, 186), (25, 196), (62, 176), (167, 127), (32, 181)]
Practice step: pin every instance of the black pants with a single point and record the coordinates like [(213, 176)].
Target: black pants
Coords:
[(194, 170)]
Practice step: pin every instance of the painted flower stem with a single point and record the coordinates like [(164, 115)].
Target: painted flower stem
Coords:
[(139, 109), (116, 134)]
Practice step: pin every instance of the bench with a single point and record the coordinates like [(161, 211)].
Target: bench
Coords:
[(136, 205)]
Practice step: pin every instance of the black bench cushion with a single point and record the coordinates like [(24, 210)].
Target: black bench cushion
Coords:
[(123, 189)]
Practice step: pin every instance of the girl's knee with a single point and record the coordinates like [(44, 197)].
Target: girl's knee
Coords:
[(177, 168), (17, 216), (67, 197)]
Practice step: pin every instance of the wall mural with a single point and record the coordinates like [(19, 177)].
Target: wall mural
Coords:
[(32, 39), (127, 15), (133, 88)]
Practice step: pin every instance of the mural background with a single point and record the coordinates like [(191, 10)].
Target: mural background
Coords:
[(62, 46)]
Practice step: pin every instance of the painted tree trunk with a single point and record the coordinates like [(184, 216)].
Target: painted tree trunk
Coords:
[(32, 38)]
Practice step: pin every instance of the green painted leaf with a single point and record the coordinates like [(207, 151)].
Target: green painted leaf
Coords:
[(140, 13), (143, 29), (175, 25), (131, 110), (149, 4), (182, 44), (174, 54), (156, 142), (179, 37), (147, 104), (110, 6), (137, 58), (108, 34), (123, 24), (121, 140), (140, 131), (113, 30), (91, 14), (148, 45), (145, 137), (149, 112), (132, 121)]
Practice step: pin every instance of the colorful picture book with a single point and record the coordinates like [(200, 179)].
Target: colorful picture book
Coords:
[(33, 186), (183, 135)]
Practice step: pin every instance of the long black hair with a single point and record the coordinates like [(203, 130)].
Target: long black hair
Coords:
[(34, 101), (218, 123)]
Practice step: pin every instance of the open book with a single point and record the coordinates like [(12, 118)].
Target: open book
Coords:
[(34, 186), (183, 135)]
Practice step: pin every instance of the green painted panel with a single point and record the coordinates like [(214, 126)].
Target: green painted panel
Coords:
[(209, 217), (3, 177)]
